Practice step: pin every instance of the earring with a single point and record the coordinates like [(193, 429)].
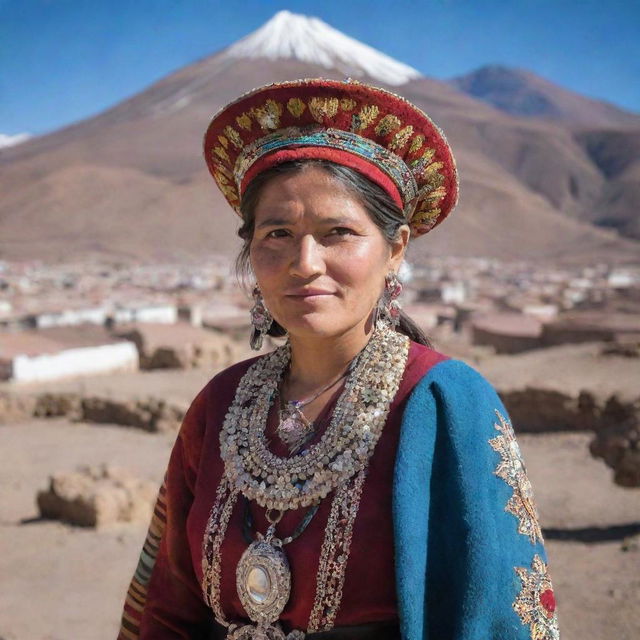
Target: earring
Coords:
[(388, 312), (261, 320)]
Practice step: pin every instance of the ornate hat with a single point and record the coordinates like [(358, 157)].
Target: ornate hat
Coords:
[(379, 134)]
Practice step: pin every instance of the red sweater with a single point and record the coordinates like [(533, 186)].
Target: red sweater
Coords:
[(165, 598)]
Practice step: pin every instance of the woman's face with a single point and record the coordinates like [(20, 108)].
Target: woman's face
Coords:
[(319, 259)]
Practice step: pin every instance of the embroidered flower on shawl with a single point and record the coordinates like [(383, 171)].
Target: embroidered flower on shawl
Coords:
[(512, 470), (536, 604)]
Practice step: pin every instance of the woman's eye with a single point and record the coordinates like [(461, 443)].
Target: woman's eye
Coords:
[(277, 233), (341, 231)]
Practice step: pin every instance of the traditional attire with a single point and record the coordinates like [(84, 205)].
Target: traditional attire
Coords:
[(446, 541), (410, 515)]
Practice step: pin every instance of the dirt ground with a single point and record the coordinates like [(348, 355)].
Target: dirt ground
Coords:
[(66, 583)]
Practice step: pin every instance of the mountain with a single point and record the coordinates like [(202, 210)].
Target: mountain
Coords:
[(130, 183), (291, 36), (11, 140), (616, 153), (522, 93), (609, 136)]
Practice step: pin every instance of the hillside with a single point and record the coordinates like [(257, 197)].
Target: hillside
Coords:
[(130, 183)]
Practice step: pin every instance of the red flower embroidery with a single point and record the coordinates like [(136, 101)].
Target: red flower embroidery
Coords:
[(536, 604), (548, 601)]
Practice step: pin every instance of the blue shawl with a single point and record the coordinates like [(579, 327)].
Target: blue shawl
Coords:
[(470, 561)]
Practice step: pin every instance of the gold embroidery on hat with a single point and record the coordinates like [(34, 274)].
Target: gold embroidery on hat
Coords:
[(424, 220), (321, 108), (244, 121), (221, 153), (268, 115), (362, 120), (435, 180), (296, 107), (425, 216), (347, 104), (428, 154), (420, 179), (224, 171), (234, 136), (388, 124), (426, 171), (229, 191), (418, 164), (434, 166), (220, 179), (432, 195), (401, 138), (416, 143)]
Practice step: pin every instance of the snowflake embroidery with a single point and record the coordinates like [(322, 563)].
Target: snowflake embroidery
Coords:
[(536, 604), (512, 470)]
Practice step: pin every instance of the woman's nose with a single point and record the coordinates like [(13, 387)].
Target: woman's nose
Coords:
[(307, 260)]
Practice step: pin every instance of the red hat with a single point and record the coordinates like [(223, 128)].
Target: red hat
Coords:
[(379, 134)]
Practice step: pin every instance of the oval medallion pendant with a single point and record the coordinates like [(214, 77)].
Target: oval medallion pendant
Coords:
[(263, 581)]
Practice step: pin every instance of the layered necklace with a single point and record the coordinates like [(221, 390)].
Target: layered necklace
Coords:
[(336, 464)]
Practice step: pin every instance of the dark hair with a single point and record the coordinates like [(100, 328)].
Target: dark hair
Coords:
[(383, 211)]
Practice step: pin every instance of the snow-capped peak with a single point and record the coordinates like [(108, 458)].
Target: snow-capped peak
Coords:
[(13, 140), (290, 35)]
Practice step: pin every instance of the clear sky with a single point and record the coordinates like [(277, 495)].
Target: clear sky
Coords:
[(63, 60)]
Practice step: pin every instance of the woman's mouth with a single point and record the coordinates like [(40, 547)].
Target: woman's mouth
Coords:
[(307, 293)]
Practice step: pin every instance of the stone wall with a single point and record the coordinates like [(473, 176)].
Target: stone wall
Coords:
[(148, 414), (504, 342), (97, 496)]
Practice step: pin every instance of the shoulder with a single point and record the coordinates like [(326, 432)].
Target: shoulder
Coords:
[(457, 396), (451, 377), (420, 360)]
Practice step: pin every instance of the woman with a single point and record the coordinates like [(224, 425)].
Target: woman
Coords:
[(353, 483)]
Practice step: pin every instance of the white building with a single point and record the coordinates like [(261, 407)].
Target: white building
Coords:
[(544, 312), (71, 317), (621, 278), (454, 292), (33, 356), (159, 313)]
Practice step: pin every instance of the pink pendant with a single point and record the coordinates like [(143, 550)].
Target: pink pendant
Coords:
[(294, 429)]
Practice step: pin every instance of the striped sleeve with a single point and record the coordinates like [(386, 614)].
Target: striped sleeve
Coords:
[(164, 600), (137, 593)]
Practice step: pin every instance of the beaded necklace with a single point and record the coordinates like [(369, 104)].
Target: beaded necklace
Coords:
[(345, 447)]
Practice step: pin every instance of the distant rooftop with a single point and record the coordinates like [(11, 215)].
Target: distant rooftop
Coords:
[(513, 324), (54, 340)]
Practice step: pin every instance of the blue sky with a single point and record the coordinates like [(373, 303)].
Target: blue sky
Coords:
[(63, 60)]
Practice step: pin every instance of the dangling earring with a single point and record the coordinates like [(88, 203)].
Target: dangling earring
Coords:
[(261, 320), (388, 311)]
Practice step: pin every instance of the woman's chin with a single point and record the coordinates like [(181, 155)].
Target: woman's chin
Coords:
[(318, 325), (313, 325)]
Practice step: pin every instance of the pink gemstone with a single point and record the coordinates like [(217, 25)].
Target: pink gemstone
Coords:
[(290, 425)]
